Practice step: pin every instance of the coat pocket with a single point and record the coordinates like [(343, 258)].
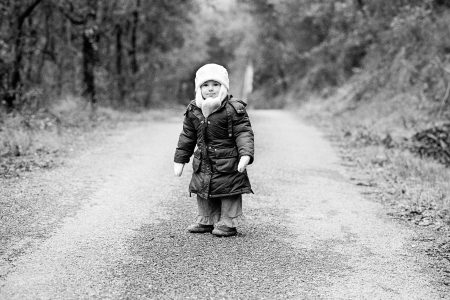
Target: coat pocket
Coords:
[(226, 160), (197, 160)]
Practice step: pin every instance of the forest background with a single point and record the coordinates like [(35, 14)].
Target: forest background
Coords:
[(135, 54), (375, 74)]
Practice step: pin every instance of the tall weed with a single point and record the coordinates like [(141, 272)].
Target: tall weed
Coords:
[(14, 136)]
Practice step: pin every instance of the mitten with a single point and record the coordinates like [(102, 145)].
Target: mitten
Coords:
[(178, 169), (243, 162)]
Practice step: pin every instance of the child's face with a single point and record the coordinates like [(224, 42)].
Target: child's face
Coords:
[(210, 89)]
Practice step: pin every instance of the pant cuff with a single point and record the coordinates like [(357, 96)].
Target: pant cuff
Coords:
[(207, 220), (231, 222)]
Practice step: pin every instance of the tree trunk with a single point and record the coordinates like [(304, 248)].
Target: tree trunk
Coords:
[(90, 53), (16, 80), (89, 61), (72, 78), (133, 50), (119, 64), (134, 27), (48, 49), (30, 56)]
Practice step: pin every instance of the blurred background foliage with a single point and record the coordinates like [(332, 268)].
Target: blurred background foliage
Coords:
[(320, 45), (135, 54), (110, 52)]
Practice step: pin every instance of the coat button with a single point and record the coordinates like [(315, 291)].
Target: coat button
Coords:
[(209, 122)]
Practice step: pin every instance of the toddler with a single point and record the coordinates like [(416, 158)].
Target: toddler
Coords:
[(219, 126)]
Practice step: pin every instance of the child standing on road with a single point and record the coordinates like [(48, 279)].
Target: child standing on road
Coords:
[(219, 126)]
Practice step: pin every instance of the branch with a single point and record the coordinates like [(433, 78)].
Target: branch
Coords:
[(74, 20), (28, 11)]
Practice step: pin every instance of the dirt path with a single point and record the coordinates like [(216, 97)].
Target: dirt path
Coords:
[(309, 234)]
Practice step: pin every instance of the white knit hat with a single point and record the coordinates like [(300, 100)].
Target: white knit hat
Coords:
[(212, 72)]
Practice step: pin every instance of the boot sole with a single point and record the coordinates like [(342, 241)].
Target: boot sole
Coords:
[(223, 234), (200, 231)]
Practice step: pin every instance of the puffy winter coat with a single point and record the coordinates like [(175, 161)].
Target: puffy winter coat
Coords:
[(221, 139)]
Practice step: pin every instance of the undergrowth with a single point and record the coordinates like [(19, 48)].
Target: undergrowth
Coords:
[(374, 137), (31, 139)]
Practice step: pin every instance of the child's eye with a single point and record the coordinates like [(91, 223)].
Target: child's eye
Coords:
[(216, 84)]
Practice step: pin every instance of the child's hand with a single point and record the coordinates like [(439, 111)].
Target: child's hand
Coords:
[(243, 162), (178, 169)]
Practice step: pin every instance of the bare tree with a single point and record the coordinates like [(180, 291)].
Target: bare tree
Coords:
[(14, 85)]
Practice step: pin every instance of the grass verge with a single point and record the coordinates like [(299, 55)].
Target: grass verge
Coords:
[(41, 139), (373, 138)]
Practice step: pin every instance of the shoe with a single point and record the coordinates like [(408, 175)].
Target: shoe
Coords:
[(224, 231), (200, 228)]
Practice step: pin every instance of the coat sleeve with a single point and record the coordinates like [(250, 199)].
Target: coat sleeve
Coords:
[(243, 134), (186, 141)]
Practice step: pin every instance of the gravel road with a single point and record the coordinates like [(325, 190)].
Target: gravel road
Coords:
[(116, 227)]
